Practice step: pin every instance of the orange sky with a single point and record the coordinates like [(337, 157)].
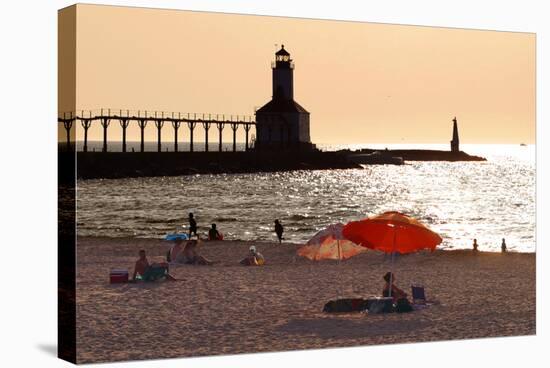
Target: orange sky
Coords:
[(361, 82)]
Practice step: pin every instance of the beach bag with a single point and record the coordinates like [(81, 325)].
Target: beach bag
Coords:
[(403, 306), (380, 305)]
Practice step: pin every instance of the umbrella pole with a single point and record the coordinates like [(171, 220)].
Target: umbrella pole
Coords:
[(392, 258), (339, 275)]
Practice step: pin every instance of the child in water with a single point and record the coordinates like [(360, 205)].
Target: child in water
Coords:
[(214, 234)]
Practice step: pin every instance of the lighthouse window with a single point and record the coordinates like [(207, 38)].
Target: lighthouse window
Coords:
[(283, 58)]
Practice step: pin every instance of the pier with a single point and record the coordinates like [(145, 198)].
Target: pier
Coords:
[(157, 120)]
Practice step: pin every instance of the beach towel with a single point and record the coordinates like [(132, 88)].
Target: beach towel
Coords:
[(345, 305), (176, 236)]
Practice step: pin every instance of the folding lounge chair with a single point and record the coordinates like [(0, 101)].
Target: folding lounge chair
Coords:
[(418, 295)]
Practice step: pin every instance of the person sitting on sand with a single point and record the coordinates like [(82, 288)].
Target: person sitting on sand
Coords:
[(475, 245), (192, 225), (142, 264), (143, 269), (213, 233), (279, 230), (254, 258), (399, 297), (503, 246), (190, 255), (176, 249)]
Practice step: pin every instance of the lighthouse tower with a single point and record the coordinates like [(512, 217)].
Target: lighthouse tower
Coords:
[(455, 142), (282, 123), (283, 75)]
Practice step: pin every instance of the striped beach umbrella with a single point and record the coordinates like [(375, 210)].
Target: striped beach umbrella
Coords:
[(329, 243)]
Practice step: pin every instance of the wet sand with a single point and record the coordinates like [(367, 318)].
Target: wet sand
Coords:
[(229, 309)]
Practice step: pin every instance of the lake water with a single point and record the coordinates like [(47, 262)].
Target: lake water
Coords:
[(459, 200)]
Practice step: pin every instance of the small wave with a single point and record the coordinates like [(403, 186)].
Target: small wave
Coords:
[(304, 230), (159, 221), (226, 219), (295, 224), (302, 217)]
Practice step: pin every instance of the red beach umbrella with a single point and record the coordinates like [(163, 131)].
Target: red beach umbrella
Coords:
[(391, 232)]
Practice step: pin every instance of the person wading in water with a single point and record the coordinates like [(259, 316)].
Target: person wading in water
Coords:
[(192, 225), (279, 230)]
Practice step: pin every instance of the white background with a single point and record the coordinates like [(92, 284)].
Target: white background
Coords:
[(28, 206)]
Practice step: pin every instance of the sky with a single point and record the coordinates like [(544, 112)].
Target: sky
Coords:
[(361, 82)]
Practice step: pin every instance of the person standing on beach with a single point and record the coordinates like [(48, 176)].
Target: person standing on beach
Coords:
[(192, 225), (279, 231), (503, 246), (475, 245)]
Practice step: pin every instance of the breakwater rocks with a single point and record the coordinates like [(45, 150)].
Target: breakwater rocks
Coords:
[(91, 165), (110, 165), (421, 155)]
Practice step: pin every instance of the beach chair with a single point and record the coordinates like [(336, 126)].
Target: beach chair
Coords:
[(418, 295)]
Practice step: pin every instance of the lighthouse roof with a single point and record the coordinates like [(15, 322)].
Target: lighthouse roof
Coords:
[(282, 51), (281, 105)]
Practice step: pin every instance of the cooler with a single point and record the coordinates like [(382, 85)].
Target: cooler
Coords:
[(118, 276)]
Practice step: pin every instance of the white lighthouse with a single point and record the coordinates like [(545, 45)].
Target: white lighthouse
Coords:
[(282, 122)]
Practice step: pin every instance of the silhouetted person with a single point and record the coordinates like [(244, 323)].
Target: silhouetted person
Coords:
[(399, 297), (279, 230), (192, 225), (213, 233), (503, 246), (475, 245)]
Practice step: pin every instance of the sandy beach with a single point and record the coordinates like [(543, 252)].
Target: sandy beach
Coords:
[(229, 309)]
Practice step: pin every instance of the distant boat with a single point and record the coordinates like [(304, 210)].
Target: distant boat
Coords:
[(523, 144), (375, 158)]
